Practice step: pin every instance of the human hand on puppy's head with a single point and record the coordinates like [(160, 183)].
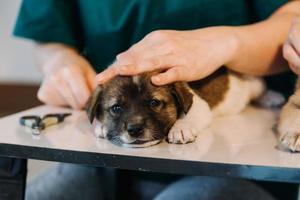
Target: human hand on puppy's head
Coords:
[(180, 55)]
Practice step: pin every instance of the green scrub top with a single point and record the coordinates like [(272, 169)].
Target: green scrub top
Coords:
[(101, 29)]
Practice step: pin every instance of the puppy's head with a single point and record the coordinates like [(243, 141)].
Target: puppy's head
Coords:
[(136, 113)]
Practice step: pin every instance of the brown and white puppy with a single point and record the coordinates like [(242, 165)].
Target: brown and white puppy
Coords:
[(132, 112)]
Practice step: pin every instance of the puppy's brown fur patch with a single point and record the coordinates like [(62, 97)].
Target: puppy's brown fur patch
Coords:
[(212, 88)]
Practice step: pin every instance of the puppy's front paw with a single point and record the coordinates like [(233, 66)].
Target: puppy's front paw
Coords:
[(100, 130), (181, 133), (290, 141), (289, 124)]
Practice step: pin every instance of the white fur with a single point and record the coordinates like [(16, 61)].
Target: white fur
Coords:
[(146, 144), (186, 129), (100, 131), (126, 138), (137, 81), (241, 91)]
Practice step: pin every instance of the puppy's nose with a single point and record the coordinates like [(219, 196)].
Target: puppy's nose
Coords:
[(134, 129)]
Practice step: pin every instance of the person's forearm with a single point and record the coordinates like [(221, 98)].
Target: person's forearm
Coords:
[(47, 51), (259, 50)]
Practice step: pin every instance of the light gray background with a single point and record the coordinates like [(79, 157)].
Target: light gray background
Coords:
[(17, 64), (16, 55)]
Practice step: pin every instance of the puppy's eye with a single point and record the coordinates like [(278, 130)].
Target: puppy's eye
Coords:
[(154, 103), (116, 109)]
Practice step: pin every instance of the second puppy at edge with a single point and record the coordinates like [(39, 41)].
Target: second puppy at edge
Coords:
[(130, 111)]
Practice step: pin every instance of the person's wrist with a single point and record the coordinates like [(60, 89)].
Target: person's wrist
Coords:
[(233, 43), (59, 59)]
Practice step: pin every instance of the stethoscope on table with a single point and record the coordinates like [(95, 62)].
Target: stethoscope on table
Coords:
[(37, 123)]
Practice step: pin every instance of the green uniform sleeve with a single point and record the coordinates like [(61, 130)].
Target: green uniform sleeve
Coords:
[(262, 9), (49, 21)]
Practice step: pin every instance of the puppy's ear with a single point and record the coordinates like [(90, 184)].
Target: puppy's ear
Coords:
[(183, 97), (93, 102)]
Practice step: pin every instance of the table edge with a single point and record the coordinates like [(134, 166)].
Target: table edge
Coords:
[(147, 164)]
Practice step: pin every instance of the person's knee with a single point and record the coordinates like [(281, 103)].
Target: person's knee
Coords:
[(66, 181), (209, 188)]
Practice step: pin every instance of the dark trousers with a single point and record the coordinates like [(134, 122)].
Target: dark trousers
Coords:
[(12, 178)]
